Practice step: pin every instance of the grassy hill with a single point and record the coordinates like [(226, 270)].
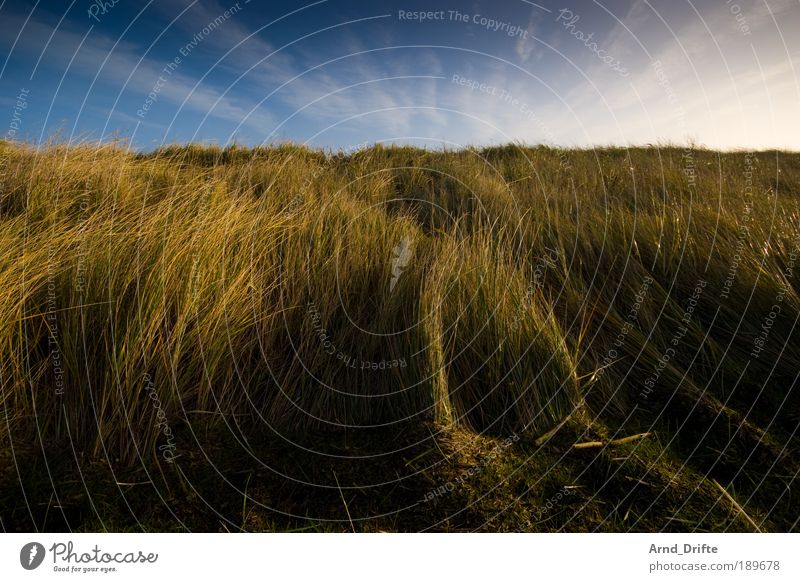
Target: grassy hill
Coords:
[(501, 339)]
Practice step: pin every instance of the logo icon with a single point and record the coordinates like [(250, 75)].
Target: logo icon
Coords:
[(31, 555), (402, 256)]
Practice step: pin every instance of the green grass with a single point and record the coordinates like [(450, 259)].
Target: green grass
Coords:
[(398, 312)]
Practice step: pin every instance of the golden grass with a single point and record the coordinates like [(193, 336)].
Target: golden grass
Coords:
[(284, 288)]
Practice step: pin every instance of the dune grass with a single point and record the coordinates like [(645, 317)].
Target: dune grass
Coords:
[(283, 290)]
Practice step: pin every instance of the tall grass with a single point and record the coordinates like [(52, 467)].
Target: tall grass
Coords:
[(285, 289)]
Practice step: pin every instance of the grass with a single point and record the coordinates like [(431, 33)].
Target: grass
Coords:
[(281, 338)]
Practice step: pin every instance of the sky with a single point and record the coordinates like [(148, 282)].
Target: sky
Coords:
[(342, 73)]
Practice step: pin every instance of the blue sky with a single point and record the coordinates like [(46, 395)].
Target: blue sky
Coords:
[(339, 73)]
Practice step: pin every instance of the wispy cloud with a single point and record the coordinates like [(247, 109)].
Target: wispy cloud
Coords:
[(120, 65)]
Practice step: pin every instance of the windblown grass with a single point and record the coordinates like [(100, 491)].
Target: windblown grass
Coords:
[(503, 289)]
